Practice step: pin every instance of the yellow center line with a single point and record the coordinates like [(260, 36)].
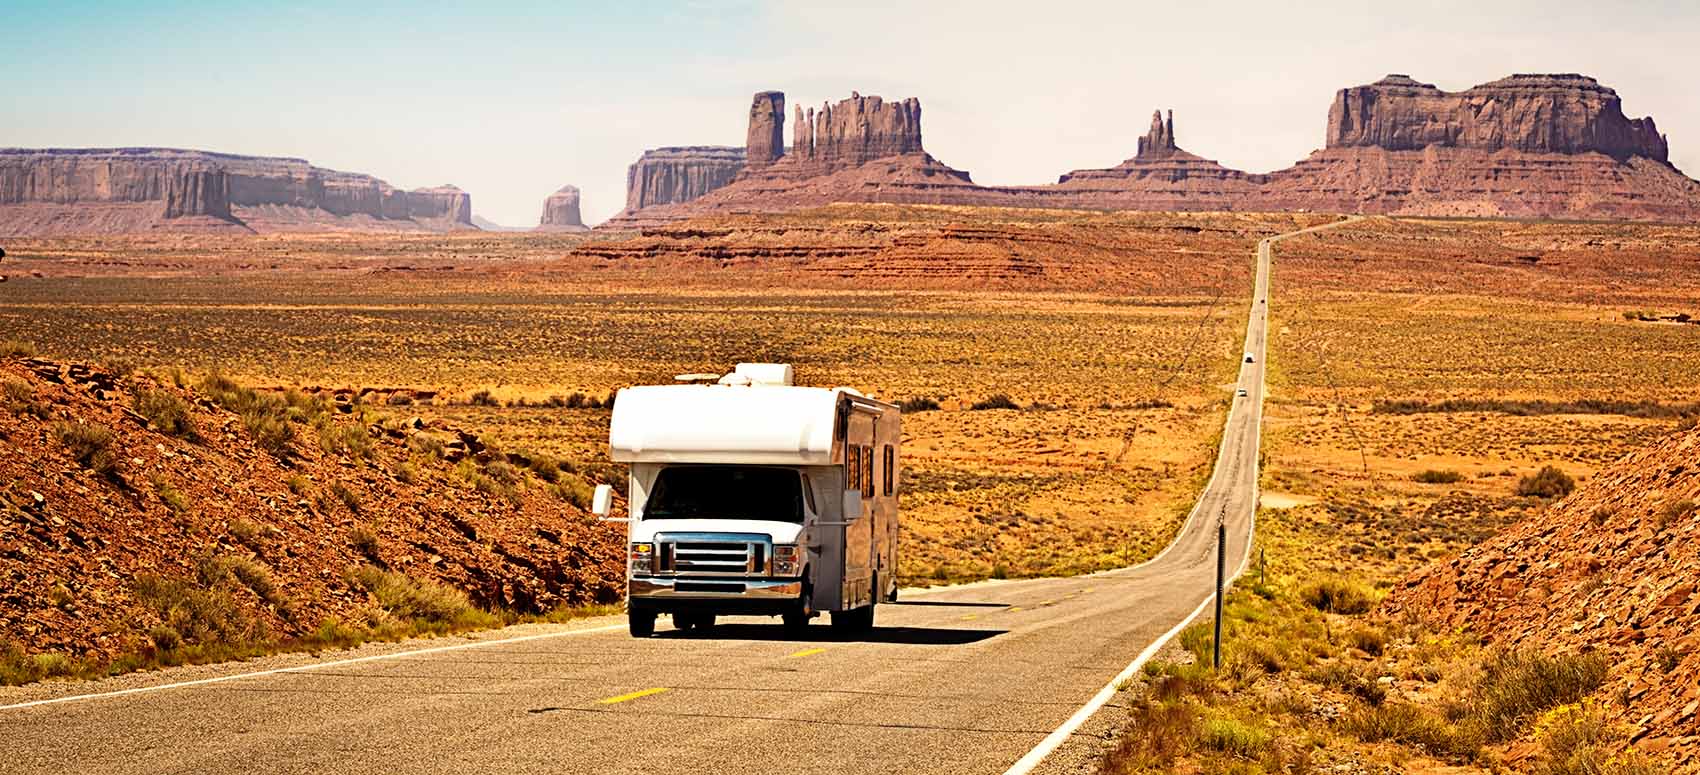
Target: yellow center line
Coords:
[(1012, 609), (632, 696), (966, 617), (804, 653)]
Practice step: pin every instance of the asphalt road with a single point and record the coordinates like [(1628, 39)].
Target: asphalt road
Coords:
[(987, 678)]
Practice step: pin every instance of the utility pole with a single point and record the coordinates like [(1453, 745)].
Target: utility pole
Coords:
[(1221, 573)]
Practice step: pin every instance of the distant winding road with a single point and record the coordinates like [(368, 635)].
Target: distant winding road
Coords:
[(1015, 676)]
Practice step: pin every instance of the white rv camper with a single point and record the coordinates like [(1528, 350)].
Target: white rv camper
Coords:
[(753, 496)]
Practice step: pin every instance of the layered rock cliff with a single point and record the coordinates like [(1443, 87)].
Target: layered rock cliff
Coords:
[(128, 189), (1530, 146), (560, 211), (1529, 113), (663, 176)]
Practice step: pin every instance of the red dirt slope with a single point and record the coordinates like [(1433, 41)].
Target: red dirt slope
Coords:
[(1613, 567), (354, 488)]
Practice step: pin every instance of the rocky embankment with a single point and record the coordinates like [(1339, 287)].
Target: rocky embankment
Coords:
[(1611, 568), (116, 190), (131, 504)]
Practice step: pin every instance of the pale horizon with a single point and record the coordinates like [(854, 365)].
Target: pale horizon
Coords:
[(512, 105)]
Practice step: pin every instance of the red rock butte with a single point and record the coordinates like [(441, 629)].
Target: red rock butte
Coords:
[(1534, 146)]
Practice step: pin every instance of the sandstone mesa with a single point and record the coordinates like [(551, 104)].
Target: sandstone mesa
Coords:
[(1530, 146)]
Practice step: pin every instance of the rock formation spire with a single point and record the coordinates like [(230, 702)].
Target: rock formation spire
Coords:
[(1160, 139), (765, 142)]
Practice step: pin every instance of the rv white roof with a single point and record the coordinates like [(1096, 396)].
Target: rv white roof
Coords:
[(766, 373), (759, 423)]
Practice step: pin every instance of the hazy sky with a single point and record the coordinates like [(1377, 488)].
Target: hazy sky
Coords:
[(512, 103)]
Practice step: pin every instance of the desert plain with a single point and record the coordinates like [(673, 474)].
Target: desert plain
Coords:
[(1064, 376)]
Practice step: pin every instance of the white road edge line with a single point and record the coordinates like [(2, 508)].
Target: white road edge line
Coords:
[(1058, 736), (304, 668)]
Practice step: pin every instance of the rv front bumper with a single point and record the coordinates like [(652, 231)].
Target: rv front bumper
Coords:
[(717, 589), (721, 595)]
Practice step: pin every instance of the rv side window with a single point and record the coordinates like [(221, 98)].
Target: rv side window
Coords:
[(890, 464), (867, 472), (852, 467)]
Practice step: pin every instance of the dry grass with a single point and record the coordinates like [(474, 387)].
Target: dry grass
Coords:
[(92, 446), (1100, 417)]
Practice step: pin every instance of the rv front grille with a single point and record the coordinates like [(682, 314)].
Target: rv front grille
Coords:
[(713, 558)]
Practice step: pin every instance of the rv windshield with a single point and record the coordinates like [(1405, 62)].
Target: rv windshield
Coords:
[(726, 492)]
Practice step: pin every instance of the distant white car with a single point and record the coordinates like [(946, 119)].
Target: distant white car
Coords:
[(1242, 392), (1249, 359)]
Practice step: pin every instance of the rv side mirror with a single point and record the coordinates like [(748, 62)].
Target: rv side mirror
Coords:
[(603, 501)]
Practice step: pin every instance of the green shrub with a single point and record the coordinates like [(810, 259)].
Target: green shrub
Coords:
[(504, 472), (1338, 596), (1156, 735), (266, 417), (1578, 740), (1433, 476), (247, 571), (17, 348), (545, 466), (429, 445), (1549, 482), (1672, 512), (297, 484), (1515, 686), (419, 601), (1233, 736), (575, 491), (245, 530), (173, 498), (1371, 642), (347, 495), (90, 445), (998, 401), (919, 404), (1351, 679), (1407, 724), (165, 638), (333, 633), (202, 612), (165, 412), (335, 438), (484, 398), (19, 398), (365, 541)]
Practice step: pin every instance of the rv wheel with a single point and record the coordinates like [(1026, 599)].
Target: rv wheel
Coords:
[(641, 623)]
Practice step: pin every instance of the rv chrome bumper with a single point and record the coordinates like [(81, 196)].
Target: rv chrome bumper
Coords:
[(715, 589)]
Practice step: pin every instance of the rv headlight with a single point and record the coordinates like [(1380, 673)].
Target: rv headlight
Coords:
[(787, 560), (643, 555)]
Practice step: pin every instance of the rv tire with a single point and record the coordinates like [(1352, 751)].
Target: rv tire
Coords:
[(641, 623)]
